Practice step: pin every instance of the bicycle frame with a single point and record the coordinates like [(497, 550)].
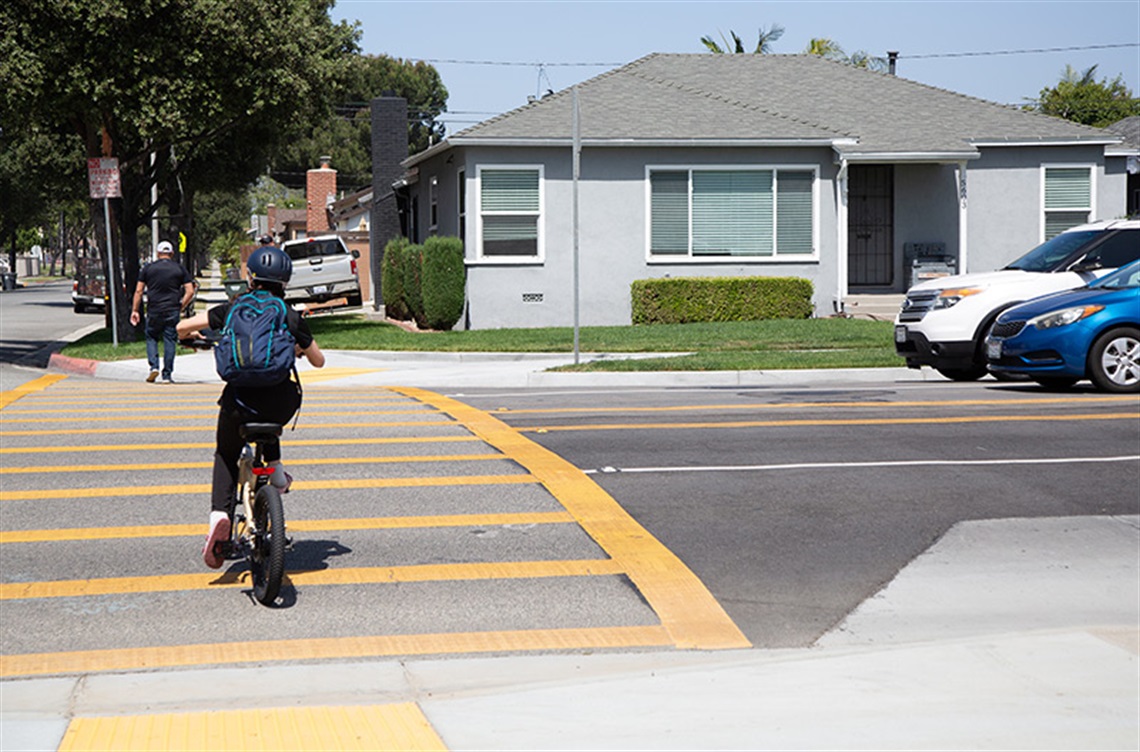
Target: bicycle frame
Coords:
[(263, 549)]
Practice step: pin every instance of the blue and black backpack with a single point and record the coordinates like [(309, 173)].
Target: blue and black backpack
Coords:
[(256, 346)]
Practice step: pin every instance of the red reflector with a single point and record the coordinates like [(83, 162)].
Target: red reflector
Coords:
[(263, 471)]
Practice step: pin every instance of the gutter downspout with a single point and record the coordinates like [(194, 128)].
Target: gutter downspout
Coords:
[(963, 218), (841, 236)]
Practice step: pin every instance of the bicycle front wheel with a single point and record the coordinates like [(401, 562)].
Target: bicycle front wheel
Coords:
[(267, 554)]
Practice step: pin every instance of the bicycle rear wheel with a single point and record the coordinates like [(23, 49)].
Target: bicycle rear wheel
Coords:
[(267, 554)]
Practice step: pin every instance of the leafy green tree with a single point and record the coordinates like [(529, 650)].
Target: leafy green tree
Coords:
[(182, 92), (1079, 97), (763, 43), (345, 132)]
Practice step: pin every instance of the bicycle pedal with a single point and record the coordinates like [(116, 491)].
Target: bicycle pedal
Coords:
[(288, 543)]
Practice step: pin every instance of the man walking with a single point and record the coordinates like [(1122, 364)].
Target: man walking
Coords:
[(169, 288)]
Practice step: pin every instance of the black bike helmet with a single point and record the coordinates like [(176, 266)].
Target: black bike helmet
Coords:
[(265, 240), (270, 264)]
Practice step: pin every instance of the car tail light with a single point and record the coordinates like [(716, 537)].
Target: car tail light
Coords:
[(354, 272)]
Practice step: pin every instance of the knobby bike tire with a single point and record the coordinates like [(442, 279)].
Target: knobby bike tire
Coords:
[(267, 557)]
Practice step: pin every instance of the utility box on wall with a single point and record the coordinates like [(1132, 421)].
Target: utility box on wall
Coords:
[(926, 261)]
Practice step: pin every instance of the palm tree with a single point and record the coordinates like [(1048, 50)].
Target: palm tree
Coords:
[(827, 48), (763, 43), (830, 49)]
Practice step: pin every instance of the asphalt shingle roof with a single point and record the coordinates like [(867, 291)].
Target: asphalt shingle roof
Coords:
[(756, 98)]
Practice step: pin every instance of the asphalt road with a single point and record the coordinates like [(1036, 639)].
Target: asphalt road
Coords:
[(35, 319), (793, 506), (429, 524)]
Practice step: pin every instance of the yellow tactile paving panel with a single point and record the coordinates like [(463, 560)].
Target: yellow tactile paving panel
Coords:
[(374, 727)]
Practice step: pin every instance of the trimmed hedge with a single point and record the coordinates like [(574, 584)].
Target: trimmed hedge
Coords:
[(683, 300), (392, 279), (444, 279), (425, 283), (413, 284)]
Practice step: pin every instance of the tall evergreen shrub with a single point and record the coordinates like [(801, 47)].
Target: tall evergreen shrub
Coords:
[(392, 279), (444, 281), (413, 284)]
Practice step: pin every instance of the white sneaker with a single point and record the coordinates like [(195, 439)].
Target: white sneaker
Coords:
[(213, 552)]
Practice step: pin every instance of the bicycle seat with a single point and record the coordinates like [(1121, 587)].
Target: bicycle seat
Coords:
[(260, 431)]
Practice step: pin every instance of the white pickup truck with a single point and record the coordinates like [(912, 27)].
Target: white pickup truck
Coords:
[(323, 269), (944, 322)]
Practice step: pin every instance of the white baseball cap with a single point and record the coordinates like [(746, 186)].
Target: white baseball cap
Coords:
[(164, 247)]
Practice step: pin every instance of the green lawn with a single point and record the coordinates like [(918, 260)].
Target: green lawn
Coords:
[(750, 345)]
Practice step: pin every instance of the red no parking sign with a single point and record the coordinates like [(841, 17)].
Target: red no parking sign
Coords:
[(103, 177)]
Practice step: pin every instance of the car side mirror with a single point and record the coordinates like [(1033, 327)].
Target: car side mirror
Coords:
[(355, 253), (1086, 266)]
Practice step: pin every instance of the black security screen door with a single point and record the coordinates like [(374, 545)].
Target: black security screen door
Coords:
[(870, 225)]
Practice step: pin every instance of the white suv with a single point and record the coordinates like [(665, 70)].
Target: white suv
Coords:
[(944, 322), (323, 269)]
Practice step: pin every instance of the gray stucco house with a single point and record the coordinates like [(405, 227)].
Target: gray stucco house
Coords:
[(727, 165)]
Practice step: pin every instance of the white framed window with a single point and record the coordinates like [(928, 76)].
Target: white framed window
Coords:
[(1067, 198), (714, 213), (509, 213)]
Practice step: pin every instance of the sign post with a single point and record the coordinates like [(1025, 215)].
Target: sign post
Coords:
[(576, 137), (103, 181)]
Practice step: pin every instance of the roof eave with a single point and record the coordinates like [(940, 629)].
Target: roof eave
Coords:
[(624, 142), (896, 157)]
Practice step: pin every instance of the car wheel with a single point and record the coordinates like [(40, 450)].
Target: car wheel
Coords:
[(963, 374), (1114, 360), (1056, 383)]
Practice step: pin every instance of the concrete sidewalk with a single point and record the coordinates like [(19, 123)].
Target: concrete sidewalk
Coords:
[(1007, 634)]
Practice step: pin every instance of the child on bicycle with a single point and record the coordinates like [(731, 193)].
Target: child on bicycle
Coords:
[(270, 269)]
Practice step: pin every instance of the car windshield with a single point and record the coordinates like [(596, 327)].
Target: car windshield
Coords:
[(1122, 278), (1047, 256), (310, 248)]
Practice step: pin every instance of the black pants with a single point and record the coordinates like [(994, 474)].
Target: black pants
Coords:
[(275, 404)]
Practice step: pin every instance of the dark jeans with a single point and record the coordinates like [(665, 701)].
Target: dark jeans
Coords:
[(275, 404), (162, 324)]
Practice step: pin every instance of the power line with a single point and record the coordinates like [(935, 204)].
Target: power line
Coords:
[(517, 63), (1021, 52)]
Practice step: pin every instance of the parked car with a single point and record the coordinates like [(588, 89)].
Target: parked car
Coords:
[(88, 290), (944, 322), (323, 269), (1089, 333)]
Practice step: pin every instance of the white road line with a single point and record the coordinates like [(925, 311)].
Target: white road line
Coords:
[(883, 463)]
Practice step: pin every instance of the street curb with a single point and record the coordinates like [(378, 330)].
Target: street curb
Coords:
[(78, 366)]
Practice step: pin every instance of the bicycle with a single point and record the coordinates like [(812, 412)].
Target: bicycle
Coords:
[(257, 517), (258, 535)]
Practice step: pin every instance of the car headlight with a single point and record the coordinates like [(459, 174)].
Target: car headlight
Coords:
[(1064, 317), (950, 298)]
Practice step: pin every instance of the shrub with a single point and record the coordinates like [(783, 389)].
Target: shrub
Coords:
[(444, 279), (685, 300), (413, 283), (392, 279)]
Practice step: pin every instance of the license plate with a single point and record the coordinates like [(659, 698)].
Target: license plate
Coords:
[(320, 289), (993, 349), (900, 334)]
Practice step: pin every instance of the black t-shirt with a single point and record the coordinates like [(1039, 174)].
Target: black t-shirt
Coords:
[(164, 280), (293, 319)]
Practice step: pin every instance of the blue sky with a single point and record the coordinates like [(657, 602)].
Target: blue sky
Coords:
[(565, 35)]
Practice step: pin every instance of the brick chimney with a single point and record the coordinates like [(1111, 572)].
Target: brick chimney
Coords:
[(320, 191)]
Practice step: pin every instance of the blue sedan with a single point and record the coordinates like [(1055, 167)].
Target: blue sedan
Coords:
[(1092, 332)]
